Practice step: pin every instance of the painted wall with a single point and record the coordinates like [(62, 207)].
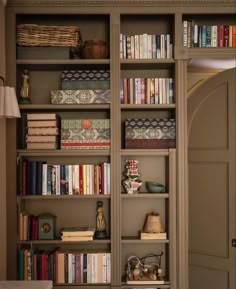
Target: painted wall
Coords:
[(3, 221)]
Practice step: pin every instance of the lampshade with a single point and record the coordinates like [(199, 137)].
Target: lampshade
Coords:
[(8, 102)]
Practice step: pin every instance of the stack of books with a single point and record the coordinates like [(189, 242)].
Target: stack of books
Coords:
[(43, 131), (77, 234)]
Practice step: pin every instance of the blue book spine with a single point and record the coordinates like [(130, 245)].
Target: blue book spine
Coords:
[(31, 177), (39, 174), (204, 28), (62, 179)]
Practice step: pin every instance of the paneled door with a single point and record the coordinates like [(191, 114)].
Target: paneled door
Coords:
[(212, 218)]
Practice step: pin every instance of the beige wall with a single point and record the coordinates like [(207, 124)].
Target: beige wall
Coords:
[(2, 156)]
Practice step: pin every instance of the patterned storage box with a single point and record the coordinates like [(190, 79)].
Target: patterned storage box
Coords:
[(86, 96), (85, 134), (75, 75), (150, 133)]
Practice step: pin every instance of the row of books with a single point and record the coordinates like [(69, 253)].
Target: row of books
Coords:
[(36, 177), (146, 46), (195, 35), (147, 91), (29, 227), (64, 266)]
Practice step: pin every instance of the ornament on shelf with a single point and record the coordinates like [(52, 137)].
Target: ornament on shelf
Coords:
[(100, 232), (132, 183), (24, 90)]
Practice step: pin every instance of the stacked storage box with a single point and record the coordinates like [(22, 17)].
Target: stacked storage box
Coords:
[(150, 133), (85, 134), (83, 87)]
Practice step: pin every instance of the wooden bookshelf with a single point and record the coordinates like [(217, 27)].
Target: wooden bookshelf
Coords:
[(125, 213)]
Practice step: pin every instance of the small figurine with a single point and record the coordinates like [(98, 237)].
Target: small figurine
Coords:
[(24, 91), (132, 183), (101, 223)]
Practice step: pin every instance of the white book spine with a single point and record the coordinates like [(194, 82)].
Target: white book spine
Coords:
[(75, 177), (108, 257), (44, 179), (82, 267), (70, 268), (73, 268), (108, 178), (104, 268), (58, 180), (70, 180), (121, 46)]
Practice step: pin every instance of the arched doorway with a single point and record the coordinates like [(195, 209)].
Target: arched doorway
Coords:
[(212, 189)]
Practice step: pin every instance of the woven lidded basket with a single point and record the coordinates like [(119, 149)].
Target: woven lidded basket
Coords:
[(44, 35)]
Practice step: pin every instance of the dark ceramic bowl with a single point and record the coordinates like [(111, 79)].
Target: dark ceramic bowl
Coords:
[(154, 187)]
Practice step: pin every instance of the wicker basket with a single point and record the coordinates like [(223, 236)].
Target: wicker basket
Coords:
[(43, 35)]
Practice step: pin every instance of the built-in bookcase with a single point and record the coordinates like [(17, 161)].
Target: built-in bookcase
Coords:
[(118, 25)]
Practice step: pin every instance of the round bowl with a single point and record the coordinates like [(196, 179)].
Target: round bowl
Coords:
[(154, 187), (94, 49)]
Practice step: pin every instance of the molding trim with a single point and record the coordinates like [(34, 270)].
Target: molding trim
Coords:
[(120, 3)]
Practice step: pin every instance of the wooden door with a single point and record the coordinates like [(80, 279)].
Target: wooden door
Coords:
[(212, 218)]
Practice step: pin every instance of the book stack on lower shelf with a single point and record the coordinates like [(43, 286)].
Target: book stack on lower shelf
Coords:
[(77, 234), (85, 134), (43, 131)]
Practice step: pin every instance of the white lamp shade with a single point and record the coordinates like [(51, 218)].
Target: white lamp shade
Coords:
[(8, 103)]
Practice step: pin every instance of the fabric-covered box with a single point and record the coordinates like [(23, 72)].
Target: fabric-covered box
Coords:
[(90, 74), (85, 134), (150, 133), (86, 96)]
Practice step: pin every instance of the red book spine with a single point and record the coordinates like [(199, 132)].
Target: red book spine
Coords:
[(77, 269), (81, 183), (234, 36), (125, 87), (221, 36)]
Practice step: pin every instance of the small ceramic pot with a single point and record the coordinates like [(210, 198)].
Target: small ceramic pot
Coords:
[(94, 49)]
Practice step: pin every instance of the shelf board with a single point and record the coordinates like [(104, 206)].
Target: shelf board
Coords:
[(212, 53), (63, 197), (147, 106), (64, 106), (66, 153), (145, 195), (59, 242), (144, 152), (62, 61), (137, 240)]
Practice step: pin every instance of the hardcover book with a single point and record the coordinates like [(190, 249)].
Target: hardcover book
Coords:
[(76, 238), (153, 236), (78, 231), (42, 116)]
